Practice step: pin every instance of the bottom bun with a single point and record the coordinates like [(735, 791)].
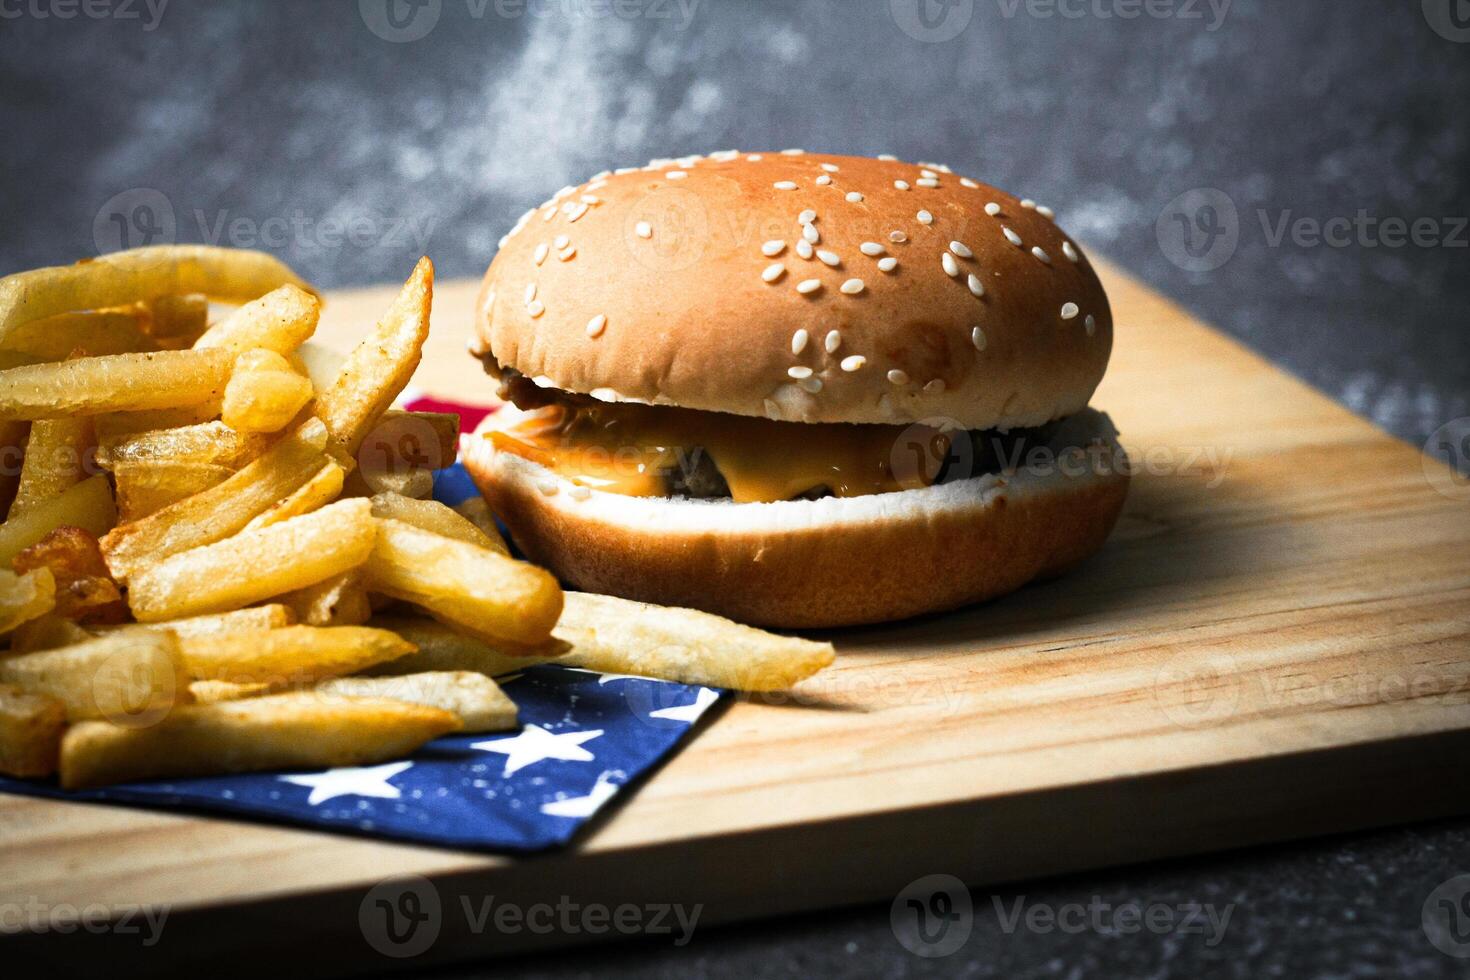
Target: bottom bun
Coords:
[(836, 561)]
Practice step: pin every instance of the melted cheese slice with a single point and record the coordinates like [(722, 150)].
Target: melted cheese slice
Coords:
[(631, 449)]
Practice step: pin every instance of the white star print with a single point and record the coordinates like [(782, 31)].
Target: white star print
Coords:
[(366, 781), (535, 744), (583, 806), (688, 712)]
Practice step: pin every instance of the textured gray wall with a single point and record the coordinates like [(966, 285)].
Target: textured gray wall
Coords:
[(262, 122)]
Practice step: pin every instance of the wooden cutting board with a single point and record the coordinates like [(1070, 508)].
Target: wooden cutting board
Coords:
[(1275, 643)]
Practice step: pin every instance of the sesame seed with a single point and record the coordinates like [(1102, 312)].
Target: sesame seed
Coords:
[(566, 254), (929, 182), (530, 291), (676, 175), (579, 492), (961, 249), (625, 170), (799, 372), (590, 199), (541, 252), (854, 363), (806, 217), (1040, 253), (853, 197), (576, 212), (824, 180), (773, 272), (810, 233), (967, 182), (596, 325), (566, 191), (934, 387), (1028, 204), (992, 209), (902, 185), (831, 168), (1091, 324), (928, 174), (785, 185), (898, 377), (773, 248), (897, 237), (1070, 251), (1012, 237), (548, 214), (888, 264), (871, 248), (830, 258), (535, 308), (854, 286), (811, 385), (887, 157), (976, 286), (756, 157), (943, 169), (799, 341), (548, 487), (951, 267), (792, 153), (925, 218), (562, 241), (1045, 212), (804, 249), (977, 337), (808, 286), (644, 229), (1070, 311), (833, 341)]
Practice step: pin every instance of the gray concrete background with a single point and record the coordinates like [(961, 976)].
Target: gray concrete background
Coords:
[(262, 124)]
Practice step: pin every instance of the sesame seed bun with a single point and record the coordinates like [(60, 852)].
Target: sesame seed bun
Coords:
[(909, 293), (819, 563)]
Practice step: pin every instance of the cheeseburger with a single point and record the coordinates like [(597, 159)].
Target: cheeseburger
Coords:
[(798, 390)]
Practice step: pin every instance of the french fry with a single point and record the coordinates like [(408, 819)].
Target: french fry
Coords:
[(283, 731), (94, 332), (263, 394), (414, 483), (480, 588), (119, 425), (290, 656), (24, 597), (47, 633), (379, 367), (213, 692), (430, 515), (177, 320), (30, 733), (132, 676), (314, 494), (478, 701), (214, 443), (146, 488), (319, 363), (138, 275), (114, 383), (401, 451), (55, 459), (338, 601), (88, 505), (254, 565), (476, 510), (84, 589), (625, 637), (281, 321), (222, 510), (442, 648), (267, 617)]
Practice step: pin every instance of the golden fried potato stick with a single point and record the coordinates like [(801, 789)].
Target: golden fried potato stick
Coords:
[(341, 600), (55, 459), (266, 617), (467, 584), (314, 494), (443, 648), (299, 730), (93, 332), (254, 565), (281, 320), (147, 488), (30, 733), (433, 516), (177, 320), (478, 701), (380, 367), (620, 636), (290, 656), (213, 692), (204, 442), (139, 275), (264, 393), (221, 510), (84, 590), (131, 676), (115, 383), (24, 597), (46, 633), (88, 505), (119, 425)]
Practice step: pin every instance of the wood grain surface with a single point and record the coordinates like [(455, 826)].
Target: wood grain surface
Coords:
[(1275, 643)]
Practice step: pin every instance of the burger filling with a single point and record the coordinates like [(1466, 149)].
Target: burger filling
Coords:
[(657, 451)]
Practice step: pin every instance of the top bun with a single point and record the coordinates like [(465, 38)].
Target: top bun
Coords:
[(690, 282)]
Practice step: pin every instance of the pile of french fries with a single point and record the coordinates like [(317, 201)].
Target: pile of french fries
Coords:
[(216, 557)]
